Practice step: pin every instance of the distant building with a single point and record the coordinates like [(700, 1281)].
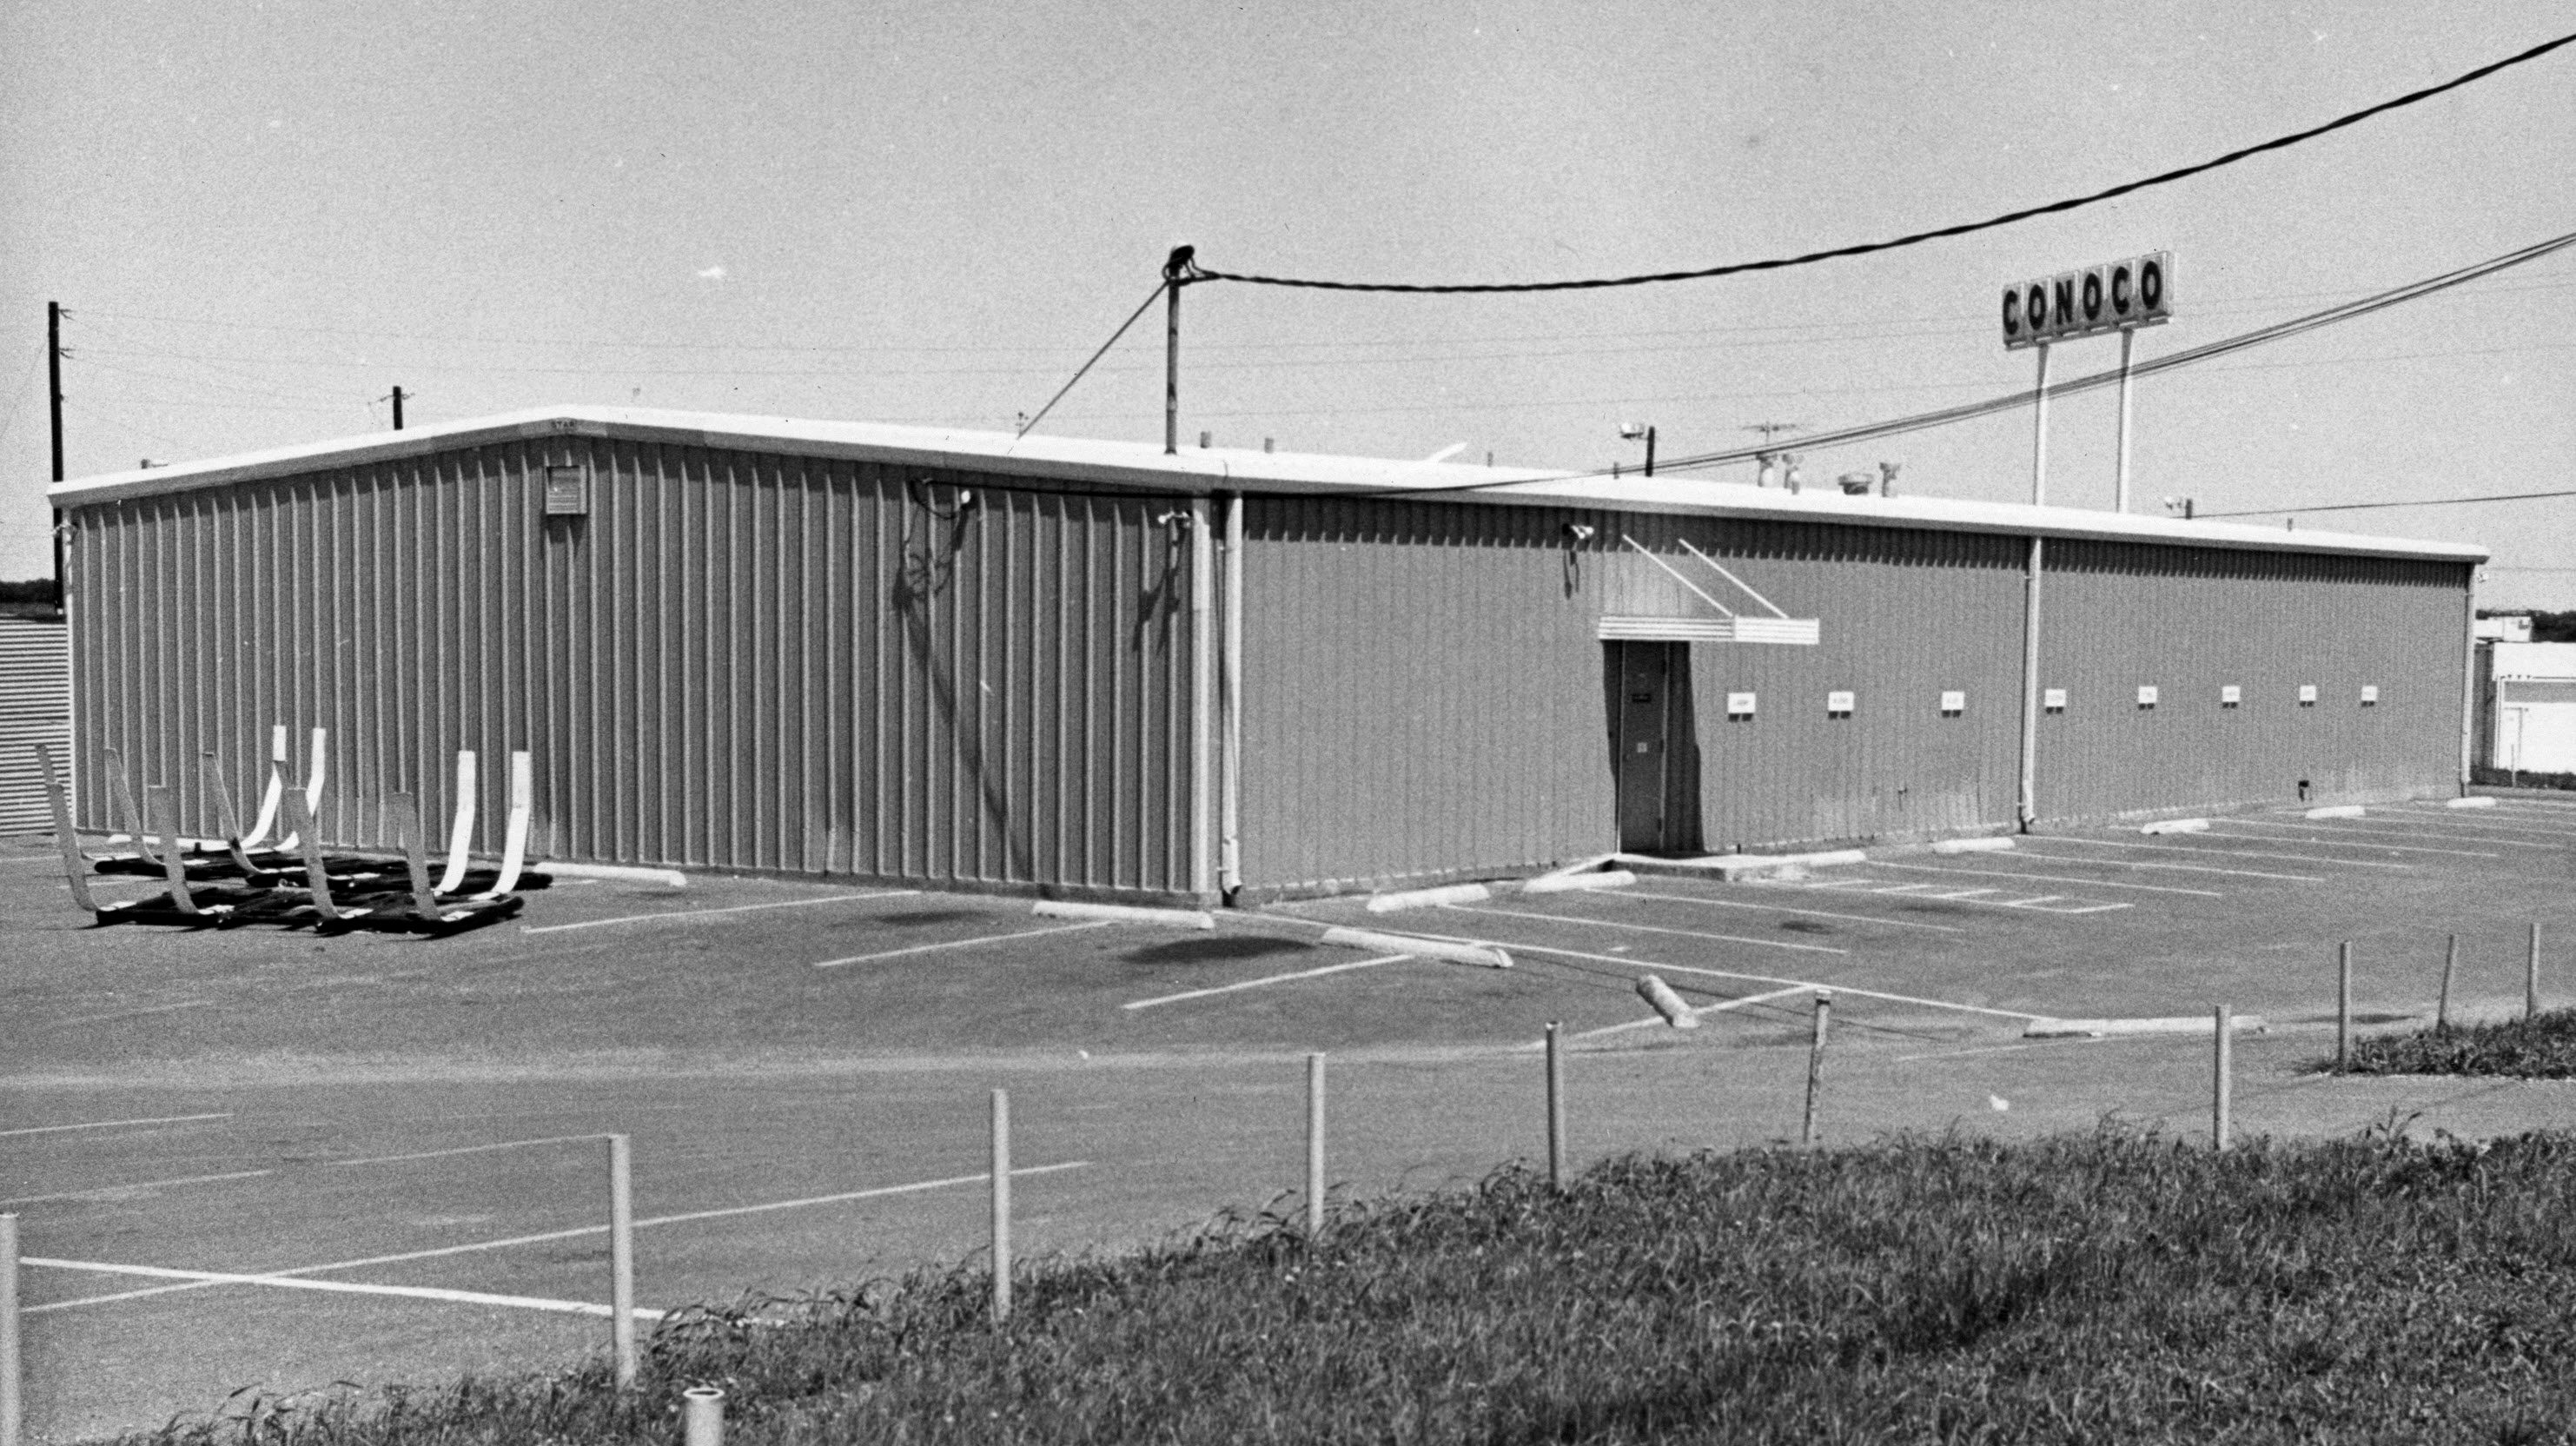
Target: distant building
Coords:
[(2504, 628), (960, 659), (2527, 706)]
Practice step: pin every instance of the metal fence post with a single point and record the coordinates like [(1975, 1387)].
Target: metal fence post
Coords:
[(2531, 974), (621, 1258), (2343, 1007), (1315, 1212), (1555, 1106), (1001, 1206), (703, 1407), (2222, 1076), (2450, 967), (1816, 1064), (11, 1410)]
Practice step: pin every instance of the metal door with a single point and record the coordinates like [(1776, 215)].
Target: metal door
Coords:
[(1646, 679)]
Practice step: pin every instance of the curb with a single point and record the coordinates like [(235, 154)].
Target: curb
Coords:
[(1125, 914), (2109, 1028), (1448, 949)]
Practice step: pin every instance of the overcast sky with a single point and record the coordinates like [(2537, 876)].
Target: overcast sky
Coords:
[(263, 216)]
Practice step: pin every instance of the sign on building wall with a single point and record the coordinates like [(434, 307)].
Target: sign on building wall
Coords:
[(2113, 296)]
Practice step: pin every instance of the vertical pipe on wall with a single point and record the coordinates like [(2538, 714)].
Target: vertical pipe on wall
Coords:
[(2468, 670), (2027, 807), (1229, 842), (1202, 870)]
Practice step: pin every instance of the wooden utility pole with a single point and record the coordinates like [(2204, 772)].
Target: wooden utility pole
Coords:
[(1176, 270)]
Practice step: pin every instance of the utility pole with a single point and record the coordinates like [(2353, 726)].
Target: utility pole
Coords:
[(54, 389), (1175, 276), (398, 399)]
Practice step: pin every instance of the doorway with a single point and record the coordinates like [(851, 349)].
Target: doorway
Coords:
[(1654, 745)]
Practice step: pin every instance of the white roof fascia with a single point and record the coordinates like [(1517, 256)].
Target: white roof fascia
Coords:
[(1137, 465)]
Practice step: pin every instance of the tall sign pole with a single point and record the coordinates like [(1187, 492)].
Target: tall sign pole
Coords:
[(2116, 296), (2120, 489), (2039, 433)]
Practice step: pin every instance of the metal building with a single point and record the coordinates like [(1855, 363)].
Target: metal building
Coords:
[(1091, 668), (35, 707)]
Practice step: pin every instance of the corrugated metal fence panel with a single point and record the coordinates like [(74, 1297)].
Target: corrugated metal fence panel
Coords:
[(2192, 621), (1903, 617), (35, 707), (1422, 693), (733, 660)]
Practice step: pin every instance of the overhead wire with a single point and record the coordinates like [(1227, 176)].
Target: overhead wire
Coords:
[(1193, 272), (2421, 502)]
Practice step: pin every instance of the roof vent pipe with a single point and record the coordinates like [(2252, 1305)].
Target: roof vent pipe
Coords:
[(1792, 478), (1769, 460), (1855, 484), (1887, 477)]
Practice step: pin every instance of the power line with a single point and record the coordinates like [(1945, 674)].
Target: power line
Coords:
[(1159, 288), (1194, 272), (2428, 502)]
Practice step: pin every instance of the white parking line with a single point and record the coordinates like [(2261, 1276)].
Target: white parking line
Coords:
[(203, 1279), (341, 1287), (2341, 843), (1257, 983), (115, 1124), (110, 1192), (2035, 904), (963, 943), (2173, 868), (671, 914), (1580, 922), (2105, 843), (2482, 823), (1785, 909), (2045, 879), (467, 1150)]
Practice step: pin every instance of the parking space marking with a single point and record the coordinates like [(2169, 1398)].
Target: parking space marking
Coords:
[(1267, 979), (114, 1124), (964, 943), (2035, 904), (2483, 829), (1578, 921), (110, 1192), (342, 1287), (2040, 879), (670, 914), (1702, 1011), (212, 1278), (2173, 868), (467, 1150), (2229, 854), (2340, 843), (129, 1013), (1785, 909)]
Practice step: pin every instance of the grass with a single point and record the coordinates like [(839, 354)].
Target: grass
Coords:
[(2109, 1287), (2540, 1047)]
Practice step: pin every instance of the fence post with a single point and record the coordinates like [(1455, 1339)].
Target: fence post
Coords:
[(1816, 1064), (621, 1258), (2343, 1007), (1315, 1212), (2222, 1076), (2450, 966), (1555, 1106), (704, 1407), (2531, 974), (10, 1407), (1001, 1206)]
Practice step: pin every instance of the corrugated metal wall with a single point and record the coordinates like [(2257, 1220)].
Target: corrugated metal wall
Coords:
[(35, 707), (734, 660), (1424, 690), (2190, 621)]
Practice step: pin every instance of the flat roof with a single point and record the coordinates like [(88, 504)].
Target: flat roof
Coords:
[(1195, 470)]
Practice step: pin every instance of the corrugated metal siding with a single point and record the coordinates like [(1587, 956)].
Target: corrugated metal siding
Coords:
[(1424, 685), (1422, 693), (2189, 621), (734, 660), (35, 707), (1904, 617)]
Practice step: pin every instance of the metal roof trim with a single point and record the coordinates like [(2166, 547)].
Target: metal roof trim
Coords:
[(1102, 463)]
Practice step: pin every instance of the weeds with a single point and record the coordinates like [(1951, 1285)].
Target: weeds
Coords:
[(2111, 1286), (2542, 1046)]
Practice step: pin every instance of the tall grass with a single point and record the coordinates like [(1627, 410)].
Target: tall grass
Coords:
[(2110, 1287), (2542, 1046)]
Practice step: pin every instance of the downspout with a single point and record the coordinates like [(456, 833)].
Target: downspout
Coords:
[(2468, 675), (2028, 807), (1229, 843), (1202, 696)]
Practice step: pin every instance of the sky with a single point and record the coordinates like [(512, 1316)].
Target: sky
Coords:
[(262, 216)]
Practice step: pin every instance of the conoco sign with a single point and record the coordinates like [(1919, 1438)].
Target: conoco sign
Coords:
[(2113, 296)]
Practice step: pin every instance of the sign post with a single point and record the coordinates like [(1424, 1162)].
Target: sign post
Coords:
[(2116, 296)]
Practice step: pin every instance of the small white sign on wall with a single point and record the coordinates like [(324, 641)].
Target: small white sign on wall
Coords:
[(2053, 699), (2307, 695), (1954, 702), (2230, 695), (2370, 695), (2146, 695), (1838, 705), (1739, 705)]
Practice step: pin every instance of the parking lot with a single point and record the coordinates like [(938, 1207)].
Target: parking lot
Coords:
[(264, 1157)]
